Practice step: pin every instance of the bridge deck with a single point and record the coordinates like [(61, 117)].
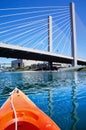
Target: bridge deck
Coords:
[(12, 51)]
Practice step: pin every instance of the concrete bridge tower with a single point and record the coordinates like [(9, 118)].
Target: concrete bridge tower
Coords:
[(50, 39), (73, 34), (50, 34)]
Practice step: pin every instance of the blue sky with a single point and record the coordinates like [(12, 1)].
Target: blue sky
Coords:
[(80, 6)]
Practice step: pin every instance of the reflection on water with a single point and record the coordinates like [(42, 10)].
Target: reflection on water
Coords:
[(74, 115), (50, 103), (60, 95)]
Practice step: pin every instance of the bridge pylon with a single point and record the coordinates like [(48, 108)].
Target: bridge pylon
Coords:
[(50, 39), (73, 34), (50, 34)]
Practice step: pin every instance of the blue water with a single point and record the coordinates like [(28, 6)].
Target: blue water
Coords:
[(60, 95)]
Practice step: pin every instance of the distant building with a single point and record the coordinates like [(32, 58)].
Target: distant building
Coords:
[(19, 63)]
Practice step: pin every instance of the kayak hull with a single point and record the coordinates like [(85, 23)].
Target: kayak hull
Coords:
[(19, 113)]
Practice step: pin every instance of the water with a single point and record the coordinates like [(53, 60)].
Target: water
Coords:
[(60, 95)]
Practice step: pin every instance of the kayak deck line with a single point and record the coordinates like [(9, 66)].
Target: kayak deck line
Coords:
[(13, 107), (19, 113)]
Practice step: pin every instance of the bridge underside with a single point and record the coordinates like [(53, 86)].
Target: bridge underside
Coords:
[(11, 51)]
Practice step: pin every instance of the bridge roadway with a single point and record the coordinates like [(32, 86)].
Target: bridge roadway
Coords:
[(19, 52)]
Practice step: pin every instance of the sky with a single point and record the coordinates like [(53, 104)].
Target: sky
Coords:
[(80, 7)]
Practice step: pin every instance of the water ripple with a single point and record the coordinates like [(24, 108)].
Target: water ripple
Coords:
[(61, 95)]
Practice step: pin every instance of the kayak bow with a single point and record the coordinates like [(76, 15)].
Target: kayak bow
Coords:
[(19, 113)]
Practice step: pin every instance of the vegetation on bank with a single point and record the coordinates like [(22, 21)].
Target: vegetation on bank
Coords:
[(39, 68), (84, 69)]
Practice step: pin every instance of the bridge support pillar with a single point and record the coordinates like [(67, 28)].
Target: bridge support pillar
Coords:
[(50, 65), (50, 39), (50, 34), (73, 34)]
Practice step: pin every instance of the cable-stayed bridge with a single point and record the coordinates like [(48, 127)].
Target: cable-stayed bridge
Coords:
[(39, 33)]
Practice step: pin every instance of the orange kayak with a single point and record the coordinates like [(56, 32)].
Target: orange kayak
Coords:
[(20, 113)]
